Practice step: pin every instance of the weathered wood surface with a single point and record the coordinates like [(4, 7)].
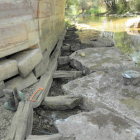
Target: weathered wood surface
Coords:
[(66, 48), (42, 67), (2, 87), (22, 122), (17, 28), (67, 74), (47, 78), (21, 126), (8, 68), (21, 83), (27, 61), (50, 137), (64, 102), (45, 137), (15, 122), (62, 61)]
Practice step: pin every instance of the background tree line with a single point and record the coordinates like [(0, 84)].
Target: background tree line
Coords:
[(101, 6)]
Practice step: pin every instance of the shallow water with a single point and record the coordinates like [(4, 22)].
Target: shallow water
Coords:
[(112, 27)]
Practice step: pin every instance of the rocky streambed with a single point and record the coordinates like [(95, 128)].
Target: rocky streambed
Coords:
[(97, 105), (114, 106), (109, 109)]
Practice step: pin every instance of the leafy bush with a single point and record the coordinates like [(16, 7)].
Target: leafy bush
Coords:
[(136, 6), (95, 11)]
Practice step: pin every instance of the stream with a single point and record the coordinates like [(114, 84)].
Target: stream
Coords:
[(127, 40)]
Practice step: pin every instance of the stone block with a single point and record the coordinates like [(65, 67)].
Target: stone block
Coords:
[(21, 83), (2, 87), (100, 59), (27, 61), (96, 42), (41, 68), (61, 102), (100, 124), (8, 69), (109, 91)]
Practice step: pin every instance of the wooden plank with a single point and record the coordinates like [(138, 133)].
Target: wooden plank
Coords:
[(15, 122), (62, 61), (30, 123), (45, 137), (67, 74), (47, 78), (23, 122), (66, 48)]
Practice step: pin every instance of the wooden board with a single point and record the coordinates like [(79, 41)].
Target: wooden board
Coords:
[(14, 124), (23, 126), (67, 74), (66, 48), (62, 61), (47, 78), (22, 123)]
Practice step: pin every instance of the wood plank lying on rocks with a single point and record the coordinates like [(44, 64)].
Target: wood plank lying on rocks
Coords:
[(21, 83), (50, 137), (67, 74), (27, 61), (23, 127), (45, 137), (2, 87), (66, 48), (22, 122), (62, 102), (8, 68), (64, 60), (15, 122), (47, 78)]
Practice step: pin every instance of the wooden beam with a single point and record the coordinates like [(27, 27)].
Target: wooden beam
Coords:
[(15, 121), (45, 137), (67, 74), (62, 61), (23, 127), (47, 79), (66, 48), (22, 122)]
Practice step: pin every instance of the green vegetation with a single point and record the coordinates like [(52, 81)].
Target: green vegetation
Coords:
[(76, 7), (95, 7)]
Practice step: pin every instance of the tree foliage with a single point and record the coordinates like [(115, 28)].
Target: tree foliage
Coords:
[(113, 6)]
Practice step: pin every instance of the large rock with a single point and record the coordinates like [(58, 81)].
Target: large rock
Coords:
[(41, 68), (133, 23), (27, 61), (21, 83), (62, 102), (8, 69), (100, 124), (2, 87), (95, 59), (96, 42), (107, 90)]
